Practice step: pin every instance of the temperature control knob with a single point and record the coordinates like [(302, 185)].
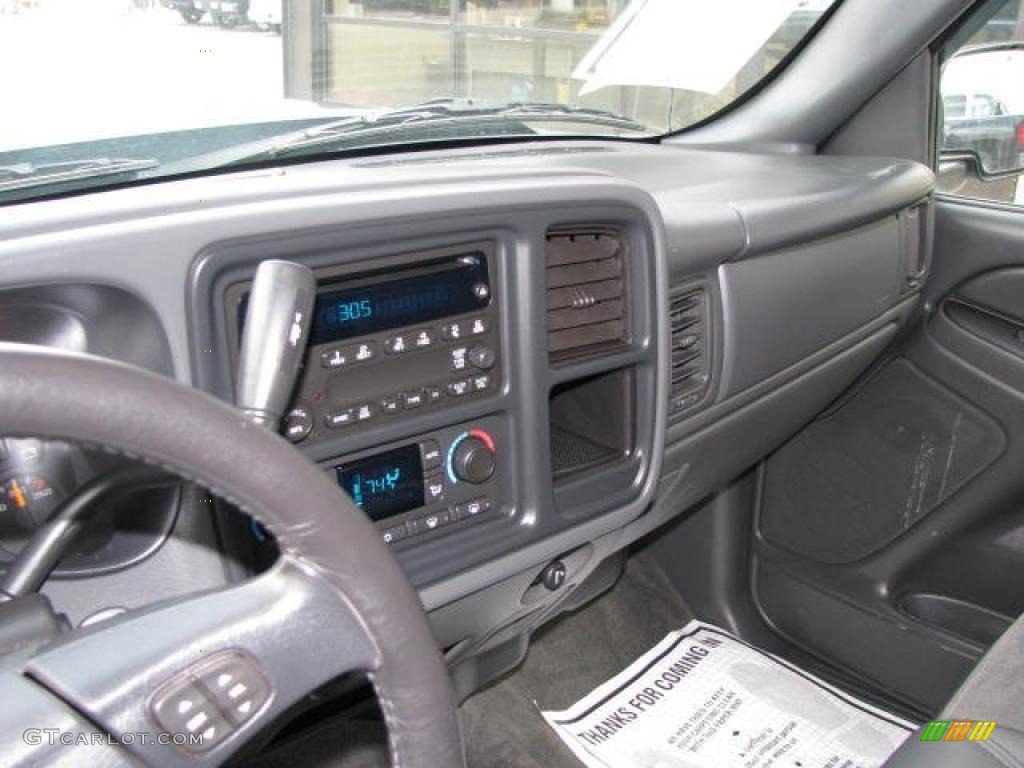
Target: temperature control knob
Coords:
[(472, 457)]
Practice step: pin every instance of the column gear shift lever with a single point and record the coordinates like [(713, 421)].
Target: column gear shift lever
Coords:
[(277, 324)]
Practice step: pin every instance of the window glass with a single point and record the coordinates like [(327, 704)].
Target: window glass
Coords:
[(99, 92), (981, 149)]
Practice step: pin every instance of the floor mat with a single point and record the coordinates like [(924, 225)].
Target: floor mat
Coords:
[(502, 725), (703, 699)]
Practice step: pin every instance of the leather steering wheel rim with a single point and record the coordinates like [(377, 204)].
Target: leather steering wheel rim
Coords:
[(123, 409)]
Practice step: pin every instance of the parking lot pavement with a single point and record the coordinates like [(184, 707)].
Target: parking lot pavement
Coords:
[(78, 73)]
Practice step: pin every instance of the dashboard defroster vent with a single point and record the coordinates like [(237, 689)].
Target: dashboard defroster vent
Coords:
[(585, 291), (688, 319)]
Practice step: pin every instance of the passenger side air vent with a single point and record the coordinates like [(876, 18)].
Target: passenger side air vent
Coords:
[(688, 319), (586, 280)]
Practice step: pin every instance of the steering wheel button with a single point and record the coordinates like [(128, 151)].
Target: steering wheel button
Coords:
[(236, 686), (182, 707)]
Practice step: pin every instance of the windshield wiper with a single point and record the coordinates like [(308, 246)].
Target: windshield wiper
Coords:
[(25, 175), (441, 113)]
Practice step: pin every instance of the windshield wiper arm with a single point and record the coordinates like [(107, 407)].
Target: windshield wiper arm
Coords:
[(25, 175), (441, 112)]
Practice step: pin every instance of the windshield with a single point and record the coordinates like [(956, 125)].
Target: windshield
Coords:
[(99, 92)]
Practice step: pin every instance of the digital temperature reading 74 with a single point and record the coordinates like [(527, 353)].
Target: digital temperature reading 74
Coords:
[(384, 483)]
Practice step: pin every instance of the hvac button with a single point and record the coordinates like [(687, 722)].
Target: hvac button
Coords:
[(394, 533), (473, 508), (237, 686), (434, 489), (182, 707), (431, 455)]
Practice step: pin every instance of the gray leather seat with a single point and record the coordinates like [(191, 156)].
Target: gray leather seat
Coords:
[(993, 691)]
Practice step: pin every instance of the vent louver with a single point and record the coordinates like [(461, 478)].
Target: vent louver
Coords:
[(688, 319), (585, 291)]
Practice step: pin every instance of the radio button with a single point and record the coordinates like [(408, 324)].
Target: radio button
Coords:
[(431, 455), (365, 412), (335, 358), (338, 419), (390, 404), (433, 393), (481, 382), (477, 326), (396, 345), (459, 360), (394, 533), (424, 338), (452, 331), (414, 398), (459, 387), (361, 353)]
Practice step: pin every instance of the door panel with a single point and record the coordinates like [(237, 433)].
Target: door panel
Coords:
[(889, 537)]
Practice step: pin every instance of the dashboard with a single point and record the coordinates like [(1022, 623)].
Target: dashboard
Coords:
[(522, 359)]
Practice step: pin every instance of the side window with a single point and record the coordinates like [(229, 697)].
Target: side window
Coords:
[(981, 136)]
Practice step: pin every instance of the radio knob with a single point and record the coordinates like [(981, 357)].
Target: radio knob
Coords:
[(482, 357), (473, 460)]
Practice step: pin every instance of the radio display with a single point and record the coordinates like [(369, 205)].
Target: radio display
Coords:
[(358, 311), (385, 484)]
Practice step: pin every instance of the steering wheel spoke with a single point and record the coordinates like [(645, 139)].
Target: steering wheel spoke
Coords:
[(204, 674), (337, 601), (193, 681)]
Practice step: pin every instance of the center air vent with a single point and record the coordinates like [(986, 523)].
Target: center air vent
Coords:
[(688, 319), (586, 291)]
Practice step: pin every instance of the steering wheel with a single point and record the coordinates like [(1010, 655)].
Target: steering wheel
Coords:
[(336, 601)]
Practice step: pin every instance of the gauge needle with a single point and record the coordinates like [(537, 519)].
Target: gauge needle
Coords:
[(19, 495)]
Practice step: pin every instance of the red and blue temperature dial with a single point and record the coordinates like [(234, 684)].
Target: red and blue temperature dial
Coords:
[(471, 457)]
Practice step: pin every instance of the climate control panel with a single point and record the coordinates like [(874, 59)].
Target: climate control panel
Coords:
[(453, 477)]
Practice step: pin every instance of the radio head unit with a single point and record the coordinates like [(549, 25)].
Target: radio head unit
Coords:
[(390, 336)]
